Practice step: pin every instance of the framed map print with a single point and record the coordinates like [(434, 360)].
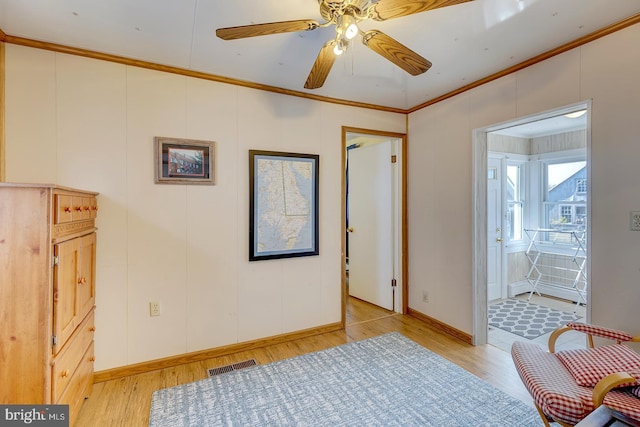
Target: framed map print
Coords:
[(283, 205)]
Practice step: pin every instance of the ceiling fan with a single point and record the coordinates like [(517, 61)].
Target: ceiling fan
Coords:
[(345, 15)]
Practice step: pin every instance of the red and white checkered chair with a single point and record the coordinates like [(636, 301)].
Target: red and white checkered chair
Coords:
[(568, 385)]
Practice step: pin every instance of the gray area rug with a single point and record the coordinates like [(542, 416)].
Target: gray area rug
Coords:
[(526, 319), (387, 380)]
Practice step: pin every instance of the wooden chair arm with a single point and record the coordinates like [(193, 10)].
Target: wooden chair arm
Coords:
[(554, 336), (607, 384), (590, 331)]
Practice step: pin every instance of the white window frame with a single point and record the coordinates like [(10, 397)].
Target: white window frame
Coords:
[(523, 163), (568, 156)]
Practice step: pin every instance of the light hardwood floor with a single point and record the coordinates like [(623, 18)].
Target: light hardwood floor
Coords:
[(126, 401)]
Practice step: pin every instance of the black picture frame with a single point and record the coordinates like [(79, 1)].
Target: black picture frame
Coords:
[(184, 161), (283, 205)]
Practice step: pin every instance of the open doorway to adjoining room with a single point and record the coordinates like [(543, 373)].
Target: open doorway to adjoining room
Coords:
[(373, 217), (536, 196)]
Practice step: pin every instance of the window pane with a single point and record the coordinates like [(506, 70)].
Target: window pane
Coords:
[(566, 196), (560, 174), (514, 221), (514, 203)]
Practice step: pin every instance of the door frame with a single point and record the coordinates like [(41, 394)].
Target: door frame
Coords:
[(501, 272), (401, 249), (479, 214)]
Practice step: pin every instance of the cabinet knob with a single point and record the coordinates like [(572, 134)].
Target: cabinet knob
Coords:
[(92, 359), (64, 374), (78, 208), (67, 209), (92, 329), (86, 208), (82, 280)]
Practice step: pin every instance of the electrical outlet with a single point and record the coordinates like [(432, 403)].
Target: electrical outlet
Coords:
[(425, 296), (154, 308), (635, 221)]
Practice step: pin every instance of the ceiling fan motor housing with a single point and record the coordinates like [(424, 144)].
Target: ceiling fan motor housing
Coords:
[(330, 10)]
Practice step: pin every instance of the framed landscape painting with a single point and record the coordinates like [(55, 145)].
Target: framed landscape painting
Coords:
[(283, 205), (184, 161)]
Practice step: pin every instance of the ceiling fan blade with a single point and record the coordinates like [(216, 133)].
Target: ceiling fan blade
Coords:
[(232, 33), (388, 9), (395, 52), (322, 66)]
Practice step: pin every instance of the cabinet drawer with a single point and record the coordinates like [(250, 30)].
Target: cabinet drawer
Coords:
[(93, 207), (65, 365), (89, 207), (63, 208), (74, 208), (80, 385)]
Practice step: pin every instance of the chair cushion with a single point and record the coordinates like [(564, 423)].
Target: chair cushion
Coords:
[(550, 384), (555, 391), (588, 366), (623, 400), (599, 331)]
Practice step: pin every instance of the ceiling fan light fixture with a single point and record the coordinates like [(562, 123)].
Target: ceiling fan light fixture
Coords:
[(339, 48), (351, 31), (347, 25), (351, 28)]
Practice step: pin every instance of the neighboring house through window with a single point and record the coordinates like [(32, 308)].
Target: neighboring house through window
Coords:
[(565, 195)]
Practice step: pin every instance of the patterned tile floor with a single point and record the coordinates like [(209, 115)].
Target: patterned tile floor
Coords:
[(503, 339)]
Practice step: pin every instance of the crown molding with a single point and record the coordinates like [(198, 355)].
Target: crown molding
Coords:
[(632, 20), (189, 73)]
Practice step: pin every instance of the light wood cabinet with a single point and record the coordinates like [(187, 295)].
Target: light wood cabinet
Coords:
[(47, 294)]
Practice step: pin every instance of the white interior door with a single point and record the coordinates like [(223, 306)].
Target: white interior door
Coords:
[(494, 229), (370, 223)]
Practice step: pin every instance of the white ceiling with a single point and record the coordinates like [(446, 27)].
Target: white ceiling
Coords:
[(545, 126), (465, 42)]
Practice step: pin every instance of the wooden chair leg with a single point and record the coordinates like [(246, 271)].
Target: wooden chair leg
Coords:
[(544, 417)]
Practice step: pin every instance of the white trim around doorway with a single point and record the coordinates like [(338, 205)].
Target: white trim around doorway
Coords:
[(479, 213)]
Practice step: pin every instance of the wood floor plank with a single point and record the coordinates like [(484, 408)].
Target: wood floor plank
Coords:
[(126, 401)]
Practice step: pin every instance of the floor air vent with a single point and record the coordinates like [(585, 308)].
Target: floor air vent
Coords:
[(228, 368)]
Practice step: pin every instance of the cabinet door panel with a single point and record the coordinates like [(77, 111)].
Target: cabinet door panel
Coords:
[(86, 274), (65, 309)]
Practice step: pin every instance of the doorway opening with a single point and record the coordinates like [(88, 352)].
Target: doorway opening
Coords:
[(374, 218), (530, 249)]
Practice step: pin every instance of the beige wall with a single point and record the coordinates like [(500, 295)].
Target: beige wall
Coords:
[(440, 176), (90, 124)]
